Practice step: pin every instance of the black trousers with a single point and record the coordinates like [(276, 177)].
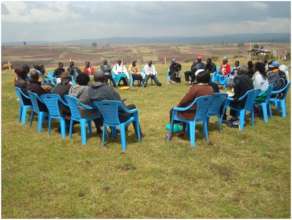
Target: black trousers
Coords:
[(109, 77), (174, 76), (152, 77), (189, 76), (137, 77)]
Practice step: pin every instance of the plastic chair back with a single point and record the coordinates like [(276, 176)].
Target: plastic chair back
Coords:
[(52, 103), (202, 105), (20, 94), (268, 94), (285, 90), (34, 101), (73, 106), (250, 99), (218, 101), (109, 110)]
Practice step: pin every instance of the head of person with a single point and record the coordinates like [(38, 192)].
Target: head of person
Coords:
[(34, 76), (224, 61), (199, 58), (40, 68), (243, 70), (173, 60), (250, 64), (105, 62), (25, 68), (134, 63), (274, 65), (99, 77), (82, 79), (60, 65), (71, 64), (260, 67), (236, 63), (209, 60), (202, 76), (20, 74), (65, 77), (87, 64), (150, 63), (119, 62)]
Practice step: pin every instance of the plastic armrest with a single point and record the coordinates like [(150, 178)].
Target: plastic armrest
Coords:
[(87, 107)]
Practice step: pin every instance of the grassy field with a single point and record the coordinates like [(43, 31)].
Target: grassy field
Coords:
[(237, 175)]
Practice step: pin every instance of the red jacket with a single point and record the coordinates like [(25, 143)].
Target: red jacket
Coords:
[(89, 70), (225, 69)]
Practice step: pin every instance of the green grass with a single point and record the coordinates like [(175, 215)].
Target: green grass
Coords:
[(238, 175)]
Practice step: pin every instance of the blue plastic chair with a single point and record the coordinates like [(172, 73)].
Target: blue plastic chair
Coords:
[(250, 97), (50, 79), (52, 102), (265, 105), (202, 103), (110, 113), (217, 107), (85, 121), (23, 108), (280, 103), (35, 99)]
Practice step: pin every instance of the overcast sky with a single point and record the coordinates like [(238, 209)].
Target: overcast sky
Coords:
[(57, 21)]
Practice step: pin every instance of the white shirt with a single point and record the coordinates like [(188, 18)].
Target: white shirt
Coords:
[(117, 69), (150, 70), (259, 82)]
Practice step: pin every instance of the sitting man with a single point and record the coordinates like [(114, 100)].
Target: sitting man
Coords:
[(106, 69), (150, 72), (277, 78), (64, 86), (73, 70), (210, 66), (59, 70), (120, 72), (99, 91), (88, 69), (198, 64), (135, 73), (242, 83), (174, 72)]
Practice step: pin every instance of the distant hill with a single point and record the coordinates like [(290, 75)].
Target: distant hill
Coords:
[(234, 38)]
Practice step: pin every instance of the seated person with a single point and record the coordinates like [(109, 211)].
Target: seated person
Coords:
[(106, 69), (234, 73), (242, 83), (198, 64), (73, 70), (80, 90), (260, 81), (210, 66), (225, 68), (120, 72), (88, 69), (250, 70), (34, 85), (277, 79), (174, 71), (150, 72), (59, 70), (64, 86), (99, 91), (136, 74), (21, 82)]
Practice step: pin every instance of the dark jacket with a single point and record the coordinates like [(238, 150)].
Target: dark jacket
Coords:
[(106, 69), (210, 67), (196, 66), (74, 71), (58, 72), (242, 83), (21, 83), (36, 88), (62, 88), (174, 67), (100, 91)]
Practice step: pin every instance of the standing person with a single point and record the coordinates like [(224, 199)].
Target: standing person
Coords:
[(260, 81), (135, 72), (251, 69), (88, 69), (73, 70), (225, 68), (150, 72), (174, 71), (59, 70), (210, 66), (234, 73), (106, 69), (197, 64), (120, 72)]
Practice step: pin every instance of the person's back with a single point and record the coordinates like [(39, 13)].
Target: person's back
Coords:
[(34, 85), (242, 83), (64, 86), (100, 91), (81, 89), (276, 77)]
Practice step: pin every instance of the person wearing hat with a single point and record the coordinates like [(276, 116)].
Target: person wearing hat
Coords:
[(225, 68), (197, 64), (64, 86), (174, 71), (277, 78)]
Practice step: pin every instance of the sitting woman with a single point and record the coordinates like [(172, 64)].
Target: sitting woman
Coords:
[(120, 72), (201, 88), (260, 81), (135, 73), (88, 69), (225, 68)]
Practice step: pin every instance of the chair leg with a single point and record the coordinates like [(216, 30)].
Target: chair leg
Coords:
[(270, 110), (137, 129), (23, 116), (113, 132), (283, 108), (83, 131), (49, 125), (265, 112), (20, 113), (71, 129), (63, 128), (252, 118), (192, 134), (123, 137), (104, 133), (205, 128), (241, 119), (41, 116), (31, 118), (89, 127)]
